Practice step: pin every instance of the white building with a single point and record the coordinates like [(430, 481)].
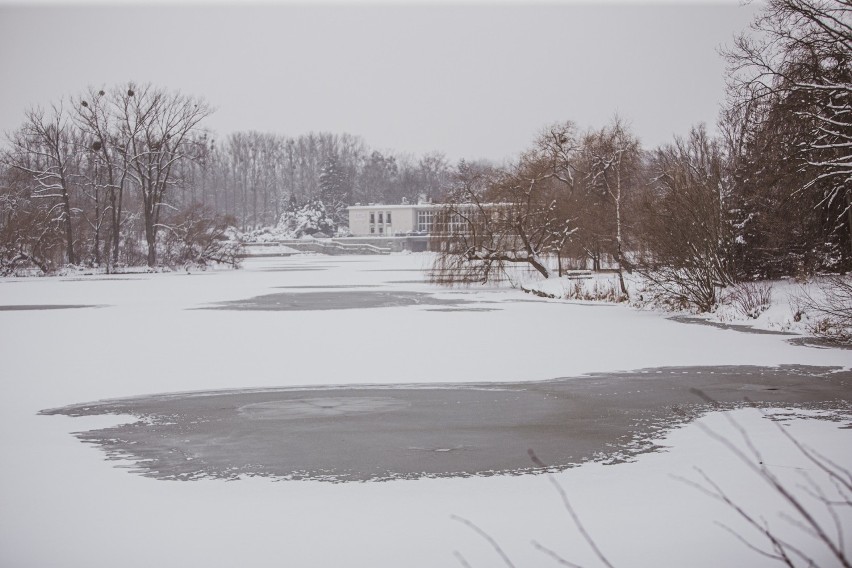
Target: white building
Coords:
[(391, 220)]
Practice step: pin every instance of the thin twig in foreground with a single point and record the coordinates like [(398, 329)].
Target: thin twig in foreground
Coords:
[(568, 507), (487, 537)]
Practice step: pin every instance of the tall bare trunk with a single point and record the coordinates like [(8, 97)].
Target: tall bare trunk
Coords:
[(151, 238), (69, 234)]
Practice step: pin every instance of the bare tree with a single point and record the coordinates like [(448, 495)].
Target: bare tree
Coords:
[(29, 234), (686, 229), (44, 149), (378, 179), (611, 163), (160, 126), (432, 174), (495, 218), (97, 115)]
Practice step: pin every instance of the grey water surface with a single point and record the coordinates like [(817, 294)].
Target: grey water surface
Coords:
[(26, 307), (309, 301), (382, 432)]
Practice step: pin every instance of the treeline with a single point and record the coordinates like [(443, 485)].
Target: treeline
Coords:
[(592, 200), (98, 178), (127, 175), (255, 177), (770, 196)]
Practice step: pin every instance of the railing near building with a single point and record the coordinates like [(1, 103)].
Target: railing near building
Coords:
[(337, 246)]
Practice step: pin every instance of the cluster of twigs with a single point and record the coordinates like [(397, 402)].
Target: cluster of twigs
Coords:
[(806, 516)]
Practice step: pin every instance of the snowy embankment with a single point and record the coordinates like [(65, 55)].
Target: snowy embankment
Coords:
[(62, 504), (784, 312)]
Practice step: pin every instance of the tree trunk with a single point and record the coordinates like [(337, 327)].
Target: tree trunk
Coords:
[(150, 210), (254, 207), (621, 279), (620, 260), (849, 219), (618, 251), (151, 238), (116, 228), (97, 228), (532, 256), (69, 236), (30, 258), (537, 264)]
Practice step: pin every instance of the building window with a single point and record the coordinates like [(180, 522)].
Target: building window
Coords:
[(372, 229), (388, 218), (381, 229), (424, 221), (381, 218), (372, 217), (458, 225)]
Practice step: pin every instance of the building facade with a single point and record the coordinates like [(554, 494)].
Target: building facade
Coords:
[(391, 220)]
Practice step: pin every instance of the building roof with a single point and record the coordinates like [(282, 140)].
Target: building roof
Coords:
[(406, 206), (429, 206)]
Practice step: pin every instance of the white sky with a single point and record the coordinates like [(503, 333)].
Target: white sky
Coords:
[(471, 80)]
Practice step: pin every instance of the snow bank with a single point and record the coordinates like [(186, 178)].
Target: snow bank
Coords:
[(784, 312)]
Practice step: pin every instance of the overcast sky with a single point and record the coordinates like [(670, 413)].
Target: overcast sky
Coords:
[(472, 80)]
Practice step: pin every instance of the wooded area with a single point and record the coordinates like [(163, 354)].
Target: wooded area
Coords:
[(128, 175), (768, 197), (98, 177)]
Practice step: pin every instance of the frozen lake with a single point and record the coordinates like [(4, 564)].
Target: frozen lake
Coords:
[(305, 355)]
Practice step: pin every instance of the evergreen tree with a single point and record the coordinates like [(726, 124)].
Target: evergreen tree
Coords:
[(333, 189)]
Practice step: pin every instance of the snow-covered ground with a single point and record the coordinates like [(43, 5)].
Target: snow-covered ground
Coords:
[(784, 311), (61, 504)]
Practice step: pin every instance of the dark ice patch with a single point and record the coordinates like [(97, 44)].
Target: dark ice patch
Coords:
[(463, 309), (290, 269), (730, 326), (309, 301), (99, 279), (819, 343), (393, 270), (374, 433), (25, 307), (331, 287)]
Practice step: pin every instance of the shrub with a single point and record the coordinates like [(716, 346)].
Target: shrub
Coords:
[(683, 288), (200, 237), (831, 306), (751, 298)]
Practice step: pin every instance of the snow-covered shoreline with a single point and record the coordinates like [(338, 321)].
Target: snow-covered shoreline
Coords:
[(784, 313)]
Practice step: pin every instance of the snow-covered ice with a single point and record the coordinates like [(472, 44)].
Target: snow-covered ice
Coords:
[(61, 504)]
